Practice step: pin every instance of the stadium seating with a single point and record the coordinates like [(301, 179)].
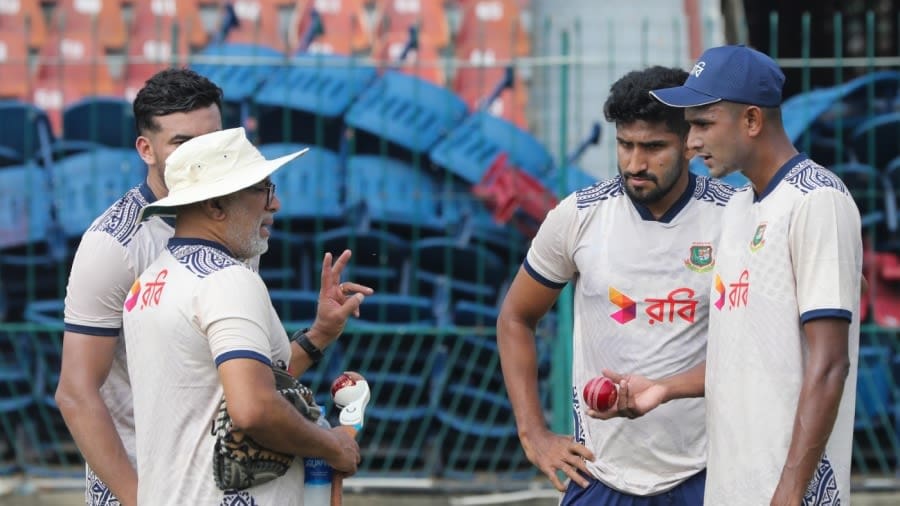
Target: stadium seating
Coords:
[(380, 258), (71, 66), (449, 271), (16, 82), (25, 134), (239, 69), (873, 404), (87, 183), (94, 122), (389, 191), (305, 101), (163, 34), (404, 111), (486, 23), (102, 19), (875, 140), (409, 53), (344, 26), (469, 150), (254, 22), (397, 16), (24, 19)]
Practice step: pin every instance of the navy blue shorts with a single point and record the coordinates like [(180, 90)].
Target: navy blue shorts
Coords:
[(688, 493)]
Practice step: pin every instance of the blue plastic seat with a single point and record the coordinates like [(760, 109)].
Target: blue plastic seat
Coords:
[(239, 69), (296, 308), (87, 183), (25, 133), (470, 148), (98, 122), (873, 390), (305, 100), (25, 205), (452, 271), (308, 187), (406, 111), (875, 141), (389, 190), (379, 257), (870, 191)]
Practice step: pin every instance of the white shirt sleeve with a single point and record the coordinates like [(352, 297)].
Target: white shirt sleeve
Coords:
[(233, 310), (101, 276), (826, 253), (550, 260)]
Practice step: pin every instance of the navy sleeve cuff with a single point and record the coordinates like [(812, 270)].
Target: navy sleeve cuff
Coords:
[(817, 314), (230, 355), (92, 331), (541, 279)]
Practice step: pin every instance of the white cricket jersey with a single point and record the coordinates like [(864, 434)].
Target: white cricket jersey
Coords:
[(641, 306), (114, 250), (194, 308), (788, 256)]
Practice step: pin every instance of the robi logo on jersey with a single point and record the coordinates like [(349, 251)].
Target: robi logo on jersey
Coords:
[(738, 292), (678, 303)]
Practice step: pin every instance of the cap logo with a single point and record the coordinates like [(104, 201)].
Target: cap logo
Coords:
[(698, 68)]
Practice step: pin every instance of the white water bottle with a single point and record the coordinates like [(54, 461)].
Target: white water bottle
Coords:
[(317, 476)]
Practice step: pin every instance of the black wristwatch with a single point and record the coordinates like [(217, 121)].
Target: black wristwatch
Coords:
[(300, 337)]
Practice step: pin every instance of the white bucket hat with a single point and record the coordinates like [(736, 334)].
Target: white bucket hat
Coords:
[(212, 165)]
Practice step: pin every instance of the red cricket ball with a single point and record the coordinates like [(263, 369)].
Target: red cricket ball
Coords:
[(348, 378), (600, 393)]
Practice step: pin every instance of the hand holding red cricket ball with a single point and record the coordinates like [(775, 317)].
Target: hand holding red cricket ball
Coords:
[(600, 393)]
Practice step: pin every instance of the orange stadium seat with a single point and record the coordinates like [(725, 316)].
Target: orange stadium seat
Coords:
[(396, 16), (18, 16), (424, 62), (70, 67), (150, 45), (340, 18), (103, 17), (484, 66), (486, 23), (16, 82), (259, 23)]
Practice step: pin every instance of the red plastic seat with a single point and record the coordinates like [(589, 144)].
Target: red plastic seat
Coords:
[(70, 67), (150, 47), (424, 62), (24, 17), (16, 81), (340, 18), (486, 23), (396, 16), (101, 17), (259, 23)]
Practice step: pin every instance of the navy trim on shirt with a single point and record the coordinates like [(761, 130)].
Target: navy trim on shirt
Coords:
[(541, 279), (145, 190), (779, 175), (91, 331), (676, 208), (230, 355), (817, 314), (175, 242)]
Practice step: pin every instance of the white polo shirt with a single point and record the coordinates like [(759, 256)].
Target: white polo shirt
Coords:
[(194, 308), (641, 306), (114, 250), (788, 256)]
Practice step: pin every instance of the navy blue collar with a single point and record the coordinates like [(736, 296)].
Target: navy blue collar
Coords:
[(175, 242), (147, 192), (779, 175), (673, 211)]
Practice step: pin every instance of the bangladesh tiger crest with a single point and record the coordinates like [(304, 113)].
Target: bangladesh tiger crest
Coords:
[(701, 258), (759, 238)]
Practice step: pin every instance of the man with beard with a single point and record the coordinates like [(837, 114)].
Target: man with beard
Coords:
[(199, 324), (640, 249)]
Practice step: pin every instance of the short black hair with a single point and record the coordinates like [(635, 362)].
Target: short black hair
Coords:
[(170, 91), (629, 98)]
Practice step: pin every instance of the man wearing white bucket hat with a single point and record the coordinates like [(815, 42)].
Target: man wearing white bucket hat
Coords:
[(199, 324)]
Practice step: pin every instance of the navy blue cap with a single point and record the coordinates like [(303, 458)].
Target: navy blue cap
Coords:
[(731, 73)]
